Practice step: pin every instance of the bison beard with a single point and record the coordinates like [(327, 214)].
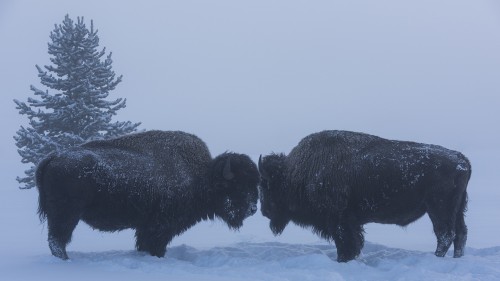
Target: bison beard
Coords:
[(158, 183), (337, 181)]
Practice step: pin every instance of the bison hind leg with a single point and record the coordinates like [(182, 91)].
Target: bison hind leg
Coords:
[(59, 237), (460, 229), (61, 224), (446, 210), (459, 244), (444, 229)]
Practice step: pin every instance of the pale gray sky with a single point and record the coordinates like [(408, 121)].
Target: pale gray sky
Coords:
[(256, 76)]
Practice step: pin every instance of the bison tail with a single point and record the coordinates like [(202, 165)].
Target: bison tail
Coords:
[(42, 197), (462, 180), (464, 172), (469, 167)]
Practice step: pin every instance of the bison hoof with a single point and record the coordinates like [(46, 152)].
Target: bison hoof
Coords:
[(440, 254), (57, 249), (59, 253), (343, 258), (458, 253), (158, 253)]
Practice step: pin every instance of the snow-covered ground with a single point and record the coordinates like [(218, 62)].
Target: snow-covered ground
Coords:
[(258, 261)]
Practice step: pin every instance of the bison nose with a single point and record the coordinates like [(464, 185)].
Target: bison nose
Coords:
[(253, 209)]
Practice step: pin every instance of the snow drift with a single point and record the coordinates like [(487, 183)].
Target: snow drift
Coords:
[(260, 261)]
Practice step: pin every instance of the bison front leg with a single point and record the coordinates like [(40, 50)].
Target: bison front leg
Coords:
[(349, 240), (153, 239)]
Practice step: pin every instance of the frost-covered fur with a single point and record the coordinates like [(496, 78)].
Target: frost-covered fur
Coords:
[(158, 183), (337, 181)]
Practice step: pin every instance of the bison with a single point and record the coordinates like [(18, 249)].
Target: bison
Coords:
[(159, 183), (337, 181)]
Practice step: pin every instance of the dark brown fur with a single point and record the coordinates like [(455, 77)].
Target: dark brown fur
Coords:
[(337, 181), (158, 183)]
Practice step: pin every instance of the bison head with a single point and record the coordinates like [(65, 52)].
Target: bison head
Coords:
[(273, 196), (235, 179)]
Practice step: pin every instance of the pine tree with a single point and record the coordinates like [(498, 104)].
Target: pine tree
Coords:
[(79, 111)]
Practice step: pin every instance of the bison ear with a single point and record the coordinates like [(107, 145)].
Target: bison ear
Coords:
[(226, 171), (272, 167)]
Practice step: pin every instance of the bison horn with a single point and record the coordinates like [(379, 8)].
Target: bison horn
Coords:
[(226, 172), (261, 169)]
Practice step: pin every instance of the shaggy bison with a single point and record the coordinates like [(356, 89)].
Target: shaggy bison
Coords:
[(337, 181), (158, 183)]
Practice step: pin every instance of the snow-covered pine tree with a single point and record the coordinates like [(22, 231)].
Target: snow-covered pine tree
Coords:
[(79, 111)]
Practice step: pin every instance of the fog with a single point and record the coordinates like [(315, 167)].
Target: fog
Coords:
[(257, 76)]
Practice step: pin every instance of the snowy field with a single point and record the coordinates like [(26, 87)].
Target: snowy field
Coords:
[(259, 261), (210, 251)]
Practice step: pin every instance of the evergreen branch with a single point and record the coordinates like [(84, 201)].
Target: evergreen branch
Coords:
[(79, 111)]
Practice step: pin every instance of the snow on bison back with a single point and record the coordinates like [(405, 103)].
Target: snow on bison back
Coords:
[(159, 183), (337, 181)]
